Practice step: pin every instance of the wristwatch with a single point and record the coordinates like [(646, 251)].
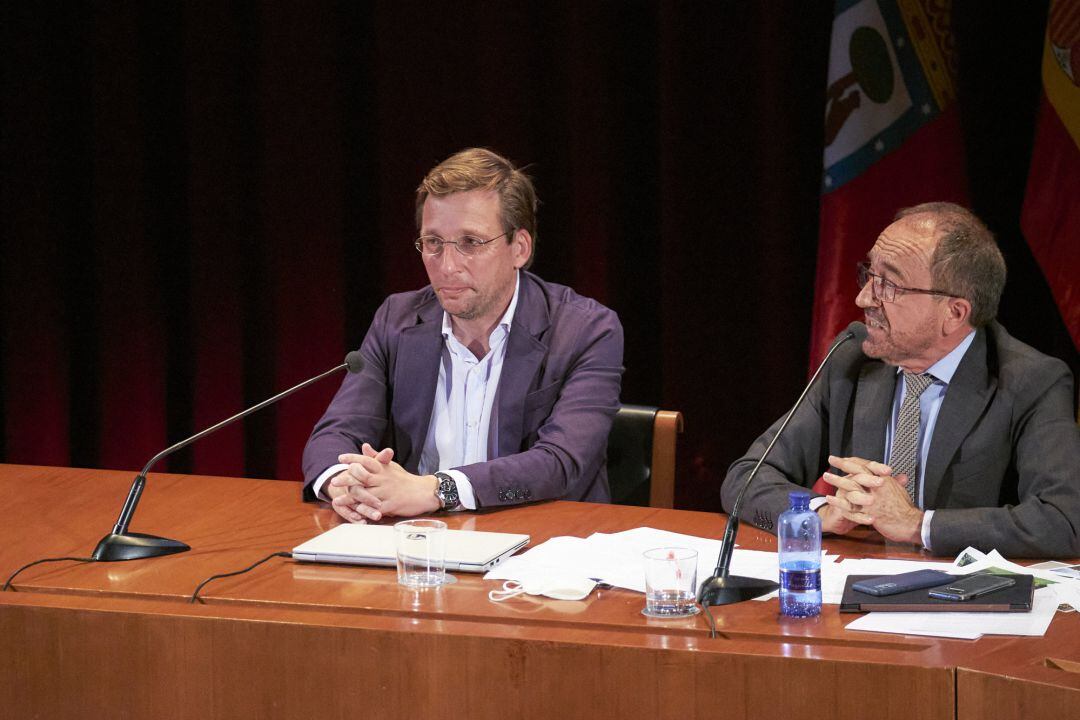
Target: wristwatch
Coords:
[(447, 492)]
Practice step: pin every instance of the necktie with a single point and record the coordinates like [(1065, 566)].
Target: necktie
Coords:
[(904, 458)]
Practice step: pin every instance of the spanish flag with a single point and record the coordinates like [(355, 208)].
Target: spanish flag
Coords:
[(1051, 215), (892, 139)]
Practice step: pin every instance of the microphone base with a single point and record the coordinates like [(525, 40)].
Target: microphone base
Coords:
[(731, 589), (135, 546)]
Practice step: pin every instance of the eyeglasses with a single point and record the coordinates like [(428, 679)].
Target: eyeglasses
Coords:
[(886, 290), (467, 245)]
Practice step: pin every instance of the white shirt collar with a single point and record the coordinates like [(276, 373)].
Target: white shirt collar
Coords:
[(943, 370)]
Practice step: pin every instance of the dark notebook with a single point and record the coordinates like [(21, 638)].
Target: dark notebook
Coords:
[(1011, 599)]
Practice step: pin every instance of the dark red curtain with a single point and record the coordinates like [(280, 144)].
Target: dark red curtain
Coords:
[(203, 203)]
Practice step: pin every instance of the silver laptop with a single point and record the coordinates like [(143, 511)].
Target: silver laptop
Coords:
[(466, 550)]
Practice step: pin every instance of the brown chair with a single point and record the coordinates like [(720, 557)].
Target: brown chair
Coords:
[(641, 456)]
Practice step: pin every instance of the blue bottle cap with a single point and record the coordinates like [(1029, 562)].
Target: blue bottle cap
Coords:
[(799, 497)]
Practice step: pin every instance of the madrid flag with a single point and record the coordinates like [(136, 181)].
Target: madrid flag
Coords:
[(892, 139)]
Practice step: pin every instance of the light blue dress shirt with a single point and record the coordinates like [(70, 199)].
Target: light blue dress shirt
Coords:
[(929, 406)]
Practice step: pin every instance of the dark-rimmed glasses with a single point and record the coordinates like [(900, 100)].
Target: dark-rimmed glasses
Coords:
[(886, 290), (467, 245)]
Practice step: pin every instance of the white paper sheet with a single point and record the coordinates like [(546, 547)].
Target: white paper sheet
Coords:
[(1068, 593), (566, 556), (976, 561)]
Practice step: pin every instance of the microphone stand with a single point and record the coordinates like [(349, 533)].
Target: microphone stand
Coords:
[(726, 589), (121, 544)]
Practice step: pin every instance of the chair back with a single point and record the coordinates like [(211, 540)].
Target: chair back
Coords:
[(641, 456)]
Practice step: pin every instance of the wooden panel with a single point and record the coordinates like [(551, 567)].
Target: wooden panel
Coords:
[(990, 696), (1026, 678), (156, 662)]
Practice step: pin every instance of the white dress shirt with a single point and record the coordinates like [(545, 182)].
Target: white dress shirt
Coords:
[(464, 419)]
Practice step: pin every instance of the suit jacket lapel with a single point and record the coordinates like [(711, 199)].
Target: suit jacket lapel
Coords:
[(525, 352), (873, 403), (969, 392), (415, 379)]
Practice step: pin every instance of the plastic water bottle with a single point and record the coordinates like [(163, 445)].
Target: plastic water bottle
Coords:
[(799, 539)]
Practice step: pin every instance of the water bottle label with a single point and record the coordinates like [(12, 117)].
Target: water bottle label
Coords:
[(800, 581)]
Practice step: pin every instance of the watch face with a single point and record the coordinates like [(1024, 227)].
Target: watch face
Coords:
[(448, 493)]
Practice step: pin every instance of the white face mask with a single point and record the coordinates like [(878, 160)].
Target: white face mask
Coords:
[(556, 588)]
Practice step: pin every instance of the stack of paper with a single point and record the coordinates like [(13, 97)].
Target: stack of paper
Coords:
[(616, 558)]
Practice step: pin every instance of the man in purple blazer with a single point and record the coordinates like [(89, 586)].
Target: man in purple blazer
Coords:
[(487, 387)]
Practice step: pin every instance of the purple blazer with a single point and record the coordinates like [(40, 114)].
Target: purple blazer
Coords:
[(557, 396)]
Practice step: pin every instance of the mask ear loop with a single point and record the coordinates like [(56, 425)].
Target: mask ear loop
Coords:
[(510, 588)]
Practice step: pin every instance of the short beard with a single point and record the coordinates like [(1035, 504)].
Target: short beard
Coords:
[(470, 314), (482, 305), (901, 350)]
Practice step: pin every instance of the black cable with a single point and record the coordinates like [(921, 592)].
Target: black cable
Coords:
[(195, 595), (38, 562)]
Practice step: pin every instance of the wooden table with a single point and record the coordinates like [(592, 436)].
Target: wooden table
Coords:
[(120, 640)]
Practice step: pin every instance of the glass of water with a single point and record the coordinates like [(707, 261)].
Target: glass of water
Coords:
[(670, 582), (421, 553)]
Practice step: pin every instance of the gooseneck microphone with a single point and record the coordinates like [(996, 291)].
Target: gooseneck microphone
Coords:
[(723, 588), (121, 544)]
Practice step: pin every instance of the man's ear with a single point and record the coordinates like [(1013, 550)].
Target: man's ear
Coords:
[(521, 245), (957, 314)]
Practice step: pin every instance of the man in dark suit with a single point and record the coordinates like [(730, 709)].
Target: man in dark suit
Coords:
[(487, 387), (940, 429)]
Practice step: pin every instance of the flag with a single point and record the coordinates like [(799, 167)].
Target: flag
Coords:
[(1050, 218), (892, 139)]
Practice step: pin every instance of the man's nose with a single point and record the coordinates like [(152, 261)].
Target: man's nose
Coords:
[(449, 259), (866, 298)]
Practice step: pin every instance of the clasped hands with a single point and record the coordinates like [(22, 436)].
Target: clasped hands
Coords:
[(374, 486), (869, 494)]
